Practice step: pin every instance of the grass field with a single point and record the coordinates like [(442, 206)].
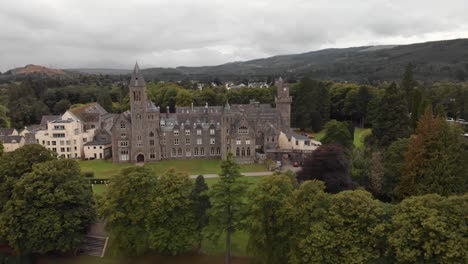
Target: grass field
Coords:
[(359, 135), (106, 169), (100, 188)]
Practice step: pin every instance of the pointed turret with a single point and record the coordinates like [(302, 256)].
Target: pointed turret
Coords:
[(227, 107), (137, 77)]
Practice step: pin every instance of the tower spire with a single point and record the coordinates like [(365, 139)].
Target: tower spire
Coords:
[(137, 77)]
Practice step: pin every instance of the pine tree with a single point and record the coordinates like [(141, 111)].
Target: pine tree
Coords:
[(201, 205), (436, 160), (392, 121), (408, 84), (228, 203)]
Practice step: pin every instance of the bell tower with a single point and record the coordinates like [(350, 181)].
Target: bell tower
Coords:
[(283, 103), (138, 105)]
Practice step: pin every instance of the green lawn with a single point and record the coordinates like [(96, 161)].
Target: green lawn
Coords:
[(359, 135), (103, 169), (100, 188), (107, 169), (318, 136)]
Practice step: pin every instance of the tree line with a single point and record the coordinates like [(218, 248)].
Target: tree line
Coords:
[(322, 215)]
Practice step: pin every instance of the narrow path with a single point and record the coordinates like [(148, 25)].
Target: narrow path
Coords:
[(248, 174)]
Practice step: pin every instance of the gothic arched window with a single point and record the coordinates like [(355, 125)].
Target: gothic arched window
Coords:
[(243, 152), (237, 152), (248, 151), (151, 134)]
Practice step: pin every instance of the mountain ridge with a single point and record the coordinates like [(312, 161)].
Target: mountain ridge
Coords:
[(432, 60)]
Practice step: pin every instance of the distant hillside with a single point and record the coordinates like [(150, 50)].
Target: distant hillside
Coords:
[(101, 71), (34, 69), (438, 60), (433, 61)]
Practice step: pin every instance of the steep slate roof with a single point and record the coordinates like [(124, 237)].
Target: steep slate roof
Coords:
[(97, 143), (30, 138), (6, 131), (137, 79), (296, 136), (48, 118), (89, 112), (11, 139)]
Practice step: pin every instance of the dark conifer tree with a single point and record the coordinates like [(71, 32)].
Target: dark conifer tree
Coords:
[(408, 84), (392, 121), (201, 204)]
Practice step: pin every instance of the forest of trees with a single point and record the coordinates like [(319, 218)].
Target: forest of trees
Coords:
[(25, 101), (399, 198), (288, 220)]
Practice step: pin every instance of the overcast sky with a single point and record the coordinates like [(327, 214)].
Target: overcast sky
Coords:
[(169, 33)]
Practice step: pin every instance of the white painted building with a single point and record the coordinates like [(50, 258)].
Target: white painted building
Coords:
[(65, 136), (293, 141)]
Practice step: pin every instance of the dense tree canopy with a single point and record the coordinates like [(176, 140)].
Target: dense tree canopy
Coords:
[(311, 104), (50, 209), (348, 227), (328, 164), (271, 213), (13, 165), (436, 160), (125, 207), (430, 229), (338, 133), (171, 223)]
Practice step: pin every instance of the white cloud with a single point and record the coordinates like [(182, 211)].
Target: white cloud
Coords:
[(114, 33)]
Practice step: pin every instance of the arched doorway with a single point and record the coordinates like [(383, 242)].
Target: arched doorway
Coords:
[(141, 158)]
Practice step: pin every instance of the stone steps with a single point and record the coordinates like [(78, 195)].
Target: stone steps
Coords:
[(93, 246)]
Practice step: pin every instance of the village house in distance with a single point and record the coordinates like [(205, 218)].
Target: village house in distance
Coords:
[(251, 132)]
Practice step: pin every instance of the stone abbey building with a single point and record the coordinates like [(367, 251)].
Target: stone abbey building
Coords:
[(144, 134)]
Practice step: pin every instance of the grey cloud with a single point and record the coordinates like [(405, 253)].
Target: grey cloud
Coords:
[(169, 33)]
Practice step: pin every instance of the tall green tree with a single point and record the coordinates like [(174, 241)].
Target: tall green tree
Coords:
[(338, 133), (50, 209), (408, 84), (228, 203), (394, 160), (13, 165), (430, 229), (171, 224), (356, 104), (184, 98), (201, 205), (61, 107), (271, 213), (125, 207), (4, 119), (392, 121), (311, 204), (436, 160), (104, 99), (311, 104)]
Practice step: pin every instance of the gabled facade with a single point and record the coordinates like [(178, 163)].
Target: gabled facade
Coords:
[(144, 134)]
